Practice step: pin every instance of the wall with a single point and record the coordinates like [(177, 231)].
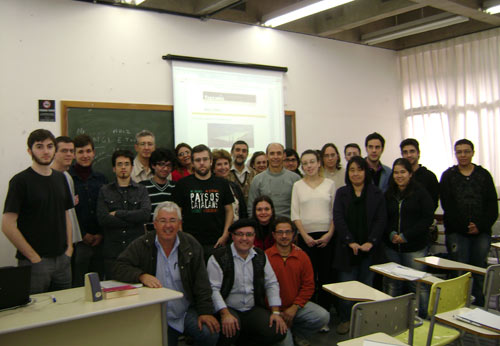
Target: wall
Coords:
[(68, 50)]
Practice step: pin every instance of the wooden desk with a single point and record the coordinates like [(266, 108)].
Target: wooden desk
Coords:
[(447, 318), (132, 320), (442, 263), (355, 291), (380, 337)]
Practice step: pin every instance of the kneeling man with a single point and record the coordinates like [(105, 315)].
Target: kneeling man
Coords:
[(173, 259), (241, 278), (295, 275)]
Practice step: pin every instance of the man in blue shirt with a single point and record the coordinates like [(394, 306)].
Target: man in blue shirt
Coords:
[(241, 278), (173, 259)]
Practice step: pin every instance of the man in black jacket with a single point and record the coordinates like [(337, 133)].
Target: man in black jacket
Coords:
[(173, 259), (469, 201), (410, 150)]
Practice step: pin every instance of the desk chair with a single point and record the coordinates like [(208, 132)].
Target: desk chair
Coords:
[(392, 316), (444, 296), (491, 285)]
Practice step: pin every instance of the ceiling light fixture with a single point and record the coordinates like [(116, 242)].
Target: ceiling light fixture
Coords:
[(299, 10), (411, 28), (491, 6)]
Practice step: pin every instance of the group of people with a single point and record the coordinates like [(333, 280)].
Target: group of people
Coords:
[(249, 245)]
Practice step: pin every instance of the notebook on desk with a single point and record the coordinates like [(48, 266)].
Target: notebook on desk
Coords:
[(14, 286)]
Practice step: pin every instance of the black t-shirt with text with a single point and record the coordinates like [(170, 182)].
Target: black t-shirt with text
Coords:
[(202, 203)]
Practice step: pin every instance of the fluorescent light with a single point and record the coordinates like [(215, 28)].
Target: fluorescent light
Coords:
[(300, 10), (412, 28), (493, 10), (133, 2)]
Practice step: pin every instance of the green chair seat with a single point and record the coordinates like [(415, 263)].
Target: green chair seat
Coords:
[(442, 335)]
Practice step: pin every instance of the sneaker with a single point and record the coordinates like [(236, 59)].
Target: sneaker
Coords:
[(343, 328), (298, 341), (324, 329)]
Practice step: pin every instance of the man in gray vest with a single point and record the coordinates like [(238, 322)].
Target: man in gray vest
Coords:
[(241, 278)]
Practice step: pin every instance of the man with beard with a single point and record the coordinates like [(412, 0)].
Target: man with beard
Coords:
[(36, 217), (410, 150), (206, 202), (123, 207), (240, 173)]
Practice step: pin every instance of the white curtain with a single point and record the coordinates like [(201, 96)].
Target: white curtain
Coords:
[(451, 91)]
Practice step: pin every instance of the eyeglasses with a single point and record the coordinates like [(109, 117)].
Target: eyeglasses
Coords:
[(184, 153), (287, 232), (242, 234)]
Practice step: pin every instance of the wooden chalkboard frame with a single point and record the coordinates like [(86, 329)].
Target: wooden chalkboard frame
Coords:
[(290, 127), (65, 105)]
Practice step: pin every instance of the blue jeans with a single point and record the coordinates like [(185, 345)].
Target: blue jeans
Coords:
[(397, 287), (50, 274), (201, 337), (470, 249), (307, 321), (361, 273)]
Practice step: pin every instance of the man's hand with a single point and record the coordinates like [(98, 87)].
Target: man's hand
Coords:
[(221, 241), (88, 239), (355, 247), (150, 281), (472, 228), (280, 323), (112, 213), (229, 323), (210, 321), (76, 200), (289, 314), (366, 247), (397, 239), (35, 259)]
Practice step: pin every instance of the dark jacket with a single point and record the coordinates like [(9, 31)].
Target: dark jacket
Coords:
[(140, 258), (411, 216), (376, 221), (88, 192), (132, 212), (429, 182), (238, 195), (468, 199)]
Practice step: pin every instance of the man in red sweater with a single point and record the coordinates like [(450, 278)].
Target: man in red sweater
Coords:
[(295, 275)]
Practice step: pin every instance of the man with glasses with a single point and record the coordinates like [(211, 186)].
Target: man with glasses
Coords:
[(469, 201), (205, 201), (295, 275), (144, 146), (173, 259), (123, 207), (159, 187), (242, 278)]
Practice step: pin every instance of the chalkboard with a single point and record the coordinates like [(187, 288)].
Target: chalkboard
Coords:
[(113, 126)]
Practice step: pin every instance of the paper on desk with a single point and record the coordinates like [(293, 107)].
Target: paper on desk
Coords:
[(114, 283), (481, 317), (401, 271), (377, 343)]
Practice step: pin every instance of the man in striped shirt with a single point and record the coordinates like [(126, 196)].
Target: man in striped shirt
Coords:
[(159, 187)]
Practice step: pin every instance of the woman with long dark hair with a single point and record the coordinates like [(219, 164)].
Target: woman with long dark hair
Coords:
[(410, 213), (359, 216), (263, 212)]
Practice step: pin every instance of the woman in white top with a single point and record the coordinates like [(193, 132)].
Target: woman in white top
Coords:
[(332, 169), (312, 213)]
